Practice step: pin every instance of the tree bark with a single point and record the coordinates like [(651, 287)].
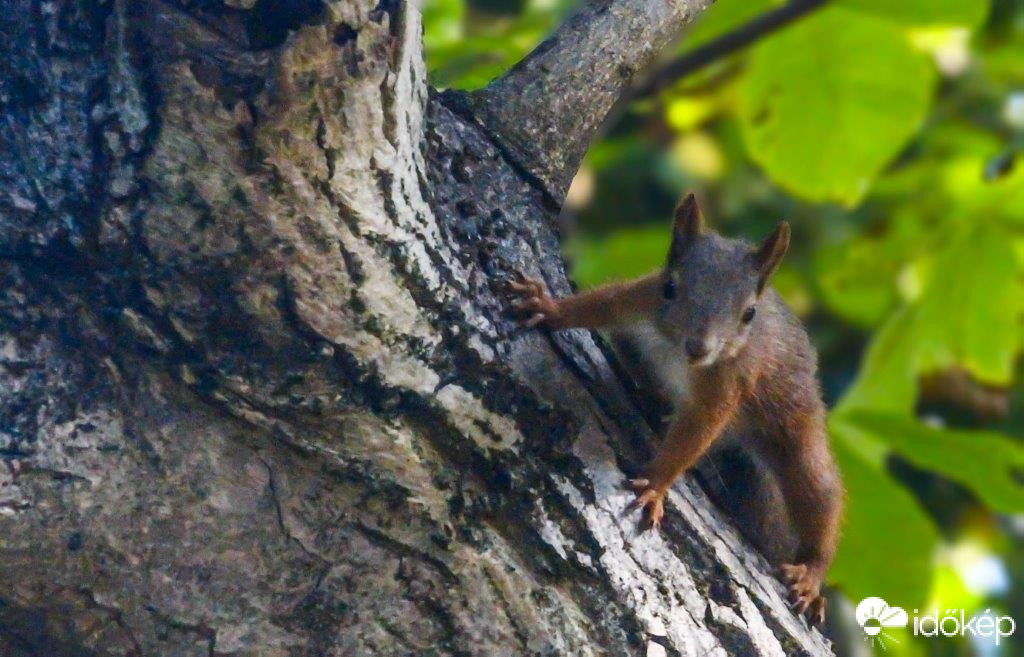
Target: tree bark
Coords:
[(258, 392)]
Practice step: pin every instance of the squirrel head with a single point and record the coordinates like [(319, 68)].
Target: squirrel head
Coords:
[(711, 286)]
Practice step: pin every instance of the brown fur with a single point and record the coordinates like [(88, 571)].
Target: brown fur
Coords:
[(755, 378)]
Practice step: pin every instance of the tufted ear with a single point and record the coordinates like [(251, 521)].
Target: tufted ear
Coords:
[(769, 254), (686, 226)]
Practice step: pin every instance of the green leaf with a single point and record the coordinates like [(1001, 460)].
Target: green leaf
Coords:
[(988, 463), (888, 542), (724, 16), (827, 103), (623, 254), (887, 380), (981, 199), (965, 13), (860, 277), (442, 22), (967, 315), (1001, 62), (857, 278), (466, 52)]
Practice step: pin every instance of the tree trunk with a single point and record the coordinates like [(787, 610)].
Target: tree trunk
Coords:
[(258, 393)]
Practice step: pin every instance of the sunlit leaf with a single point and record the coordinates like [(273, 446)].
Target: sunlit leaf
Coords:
[(856, 279), (828, 102), (988, 463), (967, 315), (699, 156), (981, 199), (966, 13), (619, 255), (888, 541), (467, 53), (688, 112), (888, 375), (724, 16)]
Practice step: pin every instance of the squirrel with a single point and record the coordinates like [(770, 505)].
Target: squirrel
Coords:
[(709, 336)]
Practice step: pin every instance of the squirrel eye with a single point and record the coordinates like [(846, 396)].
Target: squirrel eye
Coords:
[(748, 315), (668, 289)]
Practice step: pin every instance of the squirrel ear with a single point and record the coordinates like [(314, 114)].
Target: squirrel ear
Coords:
[(686, 226), (769, 254)]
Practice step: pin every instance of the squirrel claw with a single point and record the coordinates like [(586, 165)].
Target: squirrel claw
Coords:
[(638, 485), (530, 299), (650, 500), (816, 612), (526, 286), (804, 592), (536, 319)]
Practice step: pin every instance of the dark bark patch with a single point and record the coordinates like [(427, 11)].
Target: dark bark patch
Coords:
[(75, 541), (270, 21), (344, 34)]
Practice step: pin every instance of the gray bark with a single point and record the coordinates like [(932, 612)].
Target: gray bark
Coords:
[(258, 394)]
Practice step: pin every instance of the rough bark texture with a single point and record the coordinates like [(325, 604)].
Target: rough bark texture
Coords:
[(257, 392)]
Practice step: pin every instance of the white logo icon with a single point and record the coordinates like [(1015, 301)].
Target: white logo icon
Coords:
[(874, 614)]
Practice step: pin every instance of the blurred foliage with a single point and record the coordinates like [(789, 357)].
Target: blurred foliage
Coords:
[(470, 42), (890, 134), (817, 69)]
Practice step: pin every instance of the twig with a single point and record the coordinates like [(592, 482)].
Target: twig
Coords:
[(727, 44)]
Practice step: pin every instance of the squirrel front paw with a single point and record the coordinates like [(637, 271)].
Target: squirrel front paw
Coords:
[(531, 300), (804, 583), (650, 499)]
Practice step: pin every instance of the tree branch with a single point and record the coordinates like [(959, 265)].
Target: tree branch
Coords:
[(727, 44), (545, 111)]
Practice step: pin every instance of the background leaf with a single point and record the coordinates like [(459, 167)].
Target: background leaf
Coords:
[(967, 315), (887, 380), (624, 254), (827, 103), (969, 311), (989, 464), (724, 16), (873, 559), (965, 13)]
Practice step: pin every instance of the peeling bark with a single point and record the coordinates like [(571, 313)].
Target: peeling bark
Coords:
[(258, 395)]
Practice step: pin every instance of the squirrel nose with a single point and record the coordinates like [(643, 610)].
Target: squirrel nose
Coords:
[(695, 349)]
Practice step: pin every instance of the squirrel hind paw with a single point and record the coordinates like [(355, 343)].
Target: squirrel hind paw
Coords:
[(816, 611), (650, 501), (804, 592)]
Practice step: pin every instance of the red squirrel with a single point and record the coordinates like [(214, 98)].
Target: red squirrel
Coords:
[(709, 335)]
